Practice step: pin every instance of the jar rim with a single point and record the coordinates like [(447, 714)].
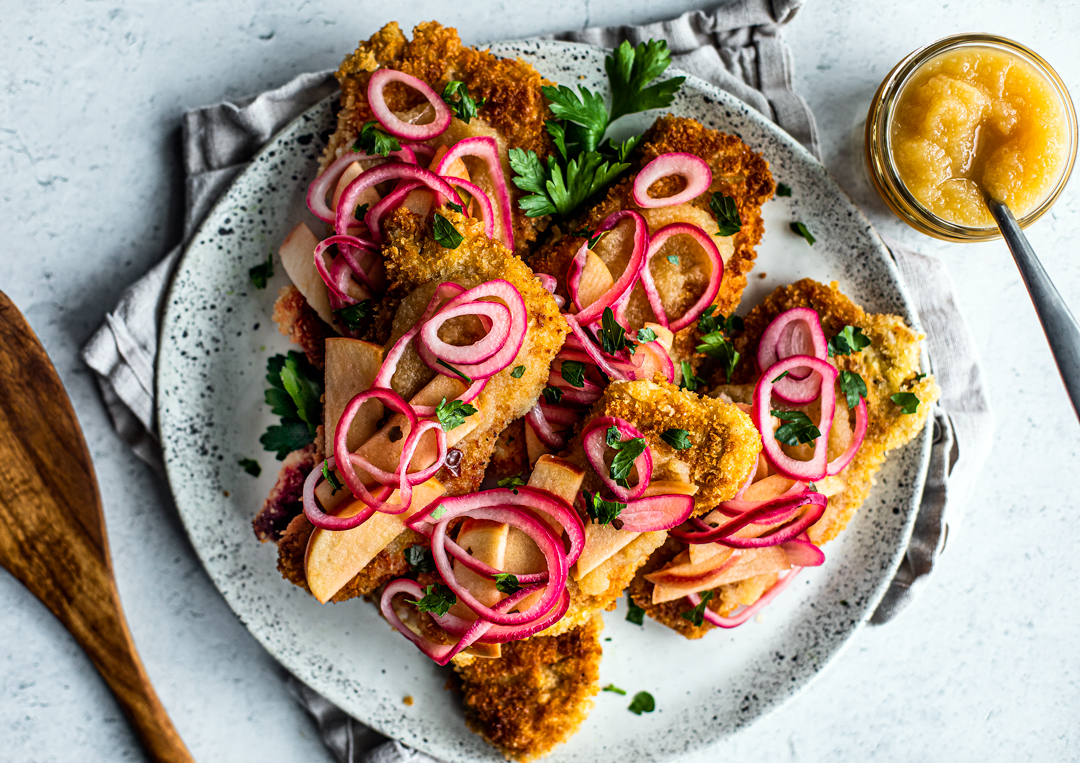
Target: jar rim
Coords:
[(880, 163)]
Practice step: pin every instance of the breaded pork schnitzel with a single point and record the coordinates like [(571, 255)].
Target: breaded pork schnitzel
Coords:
[(513, 109), (536, 694), (738, 172), (724, 447), (889, 365)]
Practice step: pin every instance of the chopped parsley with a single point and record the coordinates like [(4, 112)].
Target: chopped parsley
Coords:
[(585, 163), (507, 583), (361, 211), (689, 380), (643, 702), (710, 322), (375, 140), (453, 370), (352, 316), (612, 336), (718, 346), (798, 429), (260, 274), (697, 615), (646, 335), (850, 339), (614, 689), (445, 233), (920, 377), (673, 259), (331, 478), (783, 190), (465, 106), (456, 207), (603, 512), (517, 372), (781, 376), (573, 373), (908, 402), (420, 558), (726, 212), (679, 439), (438, 599), (251, 466), (552, 395), (512, 483), (634, 613), (294, 395), (853, 387), (628, 451), (453, 414), (437, 513), (800, 229)]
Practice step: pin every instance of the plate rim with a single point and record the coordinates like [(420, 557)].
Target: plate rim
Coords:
[(771, 703)]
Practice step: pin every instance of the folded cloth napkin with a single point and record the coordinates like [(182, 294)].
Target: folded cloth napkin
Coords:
[(738, 48)]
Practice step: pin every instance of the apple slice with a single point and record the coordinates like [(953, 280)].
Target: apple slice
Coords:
[(754, 561), (533, 446), (595, 280), (298, 257), (351, 367), (335, 558), (557, 476), (601, 543)]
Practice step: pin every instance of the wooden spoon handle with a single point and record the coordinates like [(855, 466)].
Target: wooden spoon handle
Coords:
[(51, 528)]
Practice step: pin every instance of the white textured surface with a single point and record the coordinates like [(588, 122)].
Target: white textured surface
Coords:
[(982, 667)]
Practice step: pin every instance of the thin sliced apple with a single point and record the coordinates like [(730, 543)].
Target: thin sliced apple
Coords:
[(595, 280), (485, 540), (351, 367), (298, 258), (752, 562), (670, 487), (601, 543), (557, 476), (369, 196), (335, 558), (663, 335), (599, 581), (533, 446)]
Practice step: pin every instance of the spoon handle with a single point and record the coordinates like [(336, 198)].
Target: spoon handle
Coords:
[(1062, 333)]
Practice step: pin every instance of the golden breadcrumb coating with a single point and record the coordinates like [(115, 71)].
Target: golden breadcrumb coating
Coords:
[(536, 694), (724, 447), (514, 104), (889, 365), (297, 320), (738, 172)]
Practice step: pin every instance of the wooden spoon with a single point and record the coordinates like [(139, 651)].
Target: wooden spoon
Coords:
[(52, 530)]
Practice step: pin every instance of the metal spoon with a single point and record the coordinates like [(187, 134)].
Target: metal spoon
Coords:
[(1062, 333)]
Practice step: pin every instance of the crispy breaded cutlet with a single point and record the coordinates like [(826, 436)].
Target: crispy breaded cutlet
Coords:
[(889, 365), (513, 103), (724, 447), (536, 694), (297, 320), (738, 172)]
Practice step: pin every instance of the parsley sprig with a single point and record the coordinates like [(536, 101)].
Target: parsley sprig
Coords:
[(438, 599), (464, 106), (375, 140), (715, 341), (696, 616), (585, 164), (352, 317), (294, 395), (602, 511), (798, 429), (453, 414), (851, 339), (628, 451)]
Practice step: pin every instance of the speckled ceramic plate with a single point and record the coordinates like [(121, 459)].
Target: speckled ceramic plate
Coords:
[(216, 339)]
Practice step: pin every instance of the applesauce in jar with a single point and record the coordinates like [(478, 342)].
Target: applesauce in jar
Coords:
[(976, 118)]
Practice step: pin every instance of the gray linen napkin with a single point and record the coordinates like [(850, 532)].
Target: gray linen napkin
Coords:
[(737, 47)]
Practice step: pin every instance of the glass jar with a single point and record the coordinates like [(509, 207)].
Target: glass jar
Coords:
[(879, 155)]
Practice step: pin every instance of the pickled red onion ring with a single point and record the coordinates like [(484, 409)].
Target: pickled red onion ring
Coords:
[(861, 421), (344, 218), (594, 441), (481, 349), (536, 419), (390, 121), (794, 332), (382, 379), (481, 198), (395, 402), (487, 150), (657, 512), (328, 178), (779, 510), (716, 275), (745, 614), (817, 467), (320, 518), (625, 282), (693, 169)]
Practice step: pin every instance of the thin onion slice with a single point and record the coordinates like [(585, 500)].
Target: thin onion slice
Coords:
[(794, 332), (391, 122), (482, 349), (657, 512), (481, 198), (780, 510), (321, 185), (716, 275), (345, 217), (838, 464), (693, 169), (536, 419), (626, 280), (487, 150), (817, 467), (745, 614), (594, 441), (320, 518)]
